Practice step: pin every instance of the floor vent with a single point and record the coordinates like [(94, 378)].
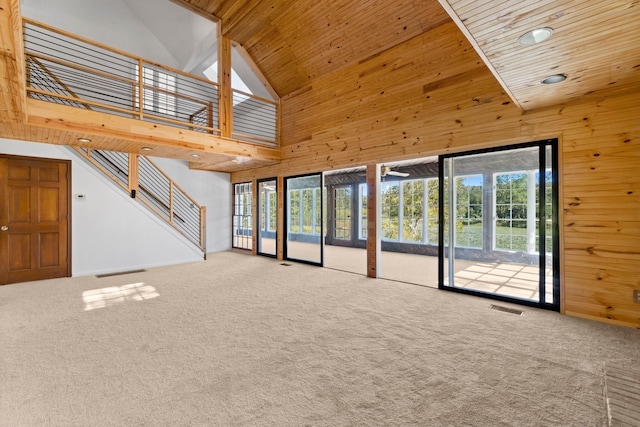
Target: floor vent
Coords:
[(506, 309), (286, 264), (622, 388), (119, 273)]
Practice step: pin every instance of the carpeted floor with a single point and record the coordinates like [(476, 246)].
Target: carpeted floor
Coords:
[(245, 341)]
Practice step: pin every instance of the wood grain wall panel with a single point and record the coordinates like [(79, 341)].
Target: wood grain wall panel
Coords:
[(378, 110)]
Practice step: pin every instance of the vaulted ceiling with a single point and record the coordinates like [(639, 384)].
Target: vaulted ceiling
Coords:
[(294, 42)]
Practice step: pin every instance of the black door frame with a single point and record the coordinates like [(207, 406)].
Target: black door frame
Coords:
[(259, 224), (286, 219), (542, 161)]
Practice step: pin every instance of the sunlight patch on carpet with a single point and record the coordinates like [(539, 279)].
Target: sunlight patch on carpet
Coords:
[(104, 297)]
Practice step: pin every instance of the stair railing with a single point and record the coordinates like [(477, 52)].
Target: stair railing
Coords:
[(154, 189)]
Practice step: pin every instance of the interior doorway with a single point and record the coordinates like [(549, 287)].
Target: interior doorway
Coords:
[(34, 219)]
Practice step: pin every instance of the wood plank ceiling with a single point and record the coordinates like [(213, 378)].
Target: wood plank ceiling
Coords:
[(594, 42), (294, 43)]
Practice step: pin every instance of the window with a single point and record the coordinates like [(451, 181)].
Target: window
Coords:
[(317, 197), (469, 211), (432, 210), (412, 210), (242, 216), (273, 211), (159, 91), (548, 212), (268, 209), (304, 215), (362, 211), (390, 193), (294, 211), (517, 214), (511, 215)]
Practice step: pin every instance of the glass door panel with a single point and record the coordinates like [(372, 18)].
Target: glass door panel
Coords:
[(242, 216), (304, 218), (345, 208), (492, 213), (342, 214), (409, 221), (268, 216)]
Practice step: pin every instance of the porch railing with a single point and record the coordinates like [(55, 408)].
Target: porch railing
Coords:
[(71, 70)]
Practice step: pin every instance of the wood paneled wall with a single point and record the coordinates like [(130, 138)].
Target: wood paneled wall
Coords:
[(420, 99)]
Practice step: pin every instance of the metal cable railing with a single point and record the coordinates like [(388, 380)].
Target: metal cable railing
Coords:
[(96, 77), (164, 196), (155, 190), (254, 118), (114, 163)]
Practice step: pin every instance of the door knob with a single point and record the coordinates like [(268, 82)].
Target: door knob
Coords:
[(4, 228)]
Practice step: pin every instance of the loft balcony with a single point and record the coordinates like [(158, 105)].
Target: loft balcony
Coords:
[(83, 93)]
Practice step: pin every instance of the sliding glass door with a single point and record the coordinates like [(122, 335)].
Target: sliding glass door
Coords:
[(499, 223), (267, 217), (304, 206)]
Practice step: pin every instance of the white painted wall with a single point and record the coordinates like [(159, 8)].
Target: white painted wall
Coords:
[(108, 22), (158, 30), (112, 232)]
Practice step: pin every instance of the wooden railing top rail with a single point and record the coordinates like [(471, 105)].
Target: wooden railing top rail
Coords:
[(249, 95)]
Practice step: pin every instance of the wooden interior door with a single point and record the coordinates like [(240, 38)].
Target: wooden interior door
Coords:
[(34, 219)]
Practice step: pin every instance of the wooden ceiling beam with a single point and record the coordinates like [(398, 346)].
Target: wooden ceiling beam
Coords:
[(197, 10), (70, 119), (12, 84), (454, 16)]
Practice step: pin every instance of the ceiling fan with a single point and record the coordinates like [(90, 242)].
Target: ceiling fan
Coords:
[(386, 171)]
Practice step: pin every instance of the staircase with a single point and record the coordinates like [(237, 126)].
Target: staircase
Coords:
[(134, 173), (145, 182)]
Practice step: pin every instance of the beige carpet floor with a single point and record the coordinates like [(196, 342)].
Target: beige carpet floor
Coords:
[(240, 340)]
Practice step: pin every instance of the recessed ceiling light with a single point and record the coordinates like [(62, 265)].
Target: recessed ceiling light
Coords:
[(240, 159), (147, 148), (84, 140), (555, 78), (535, 36), (195, 155)]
